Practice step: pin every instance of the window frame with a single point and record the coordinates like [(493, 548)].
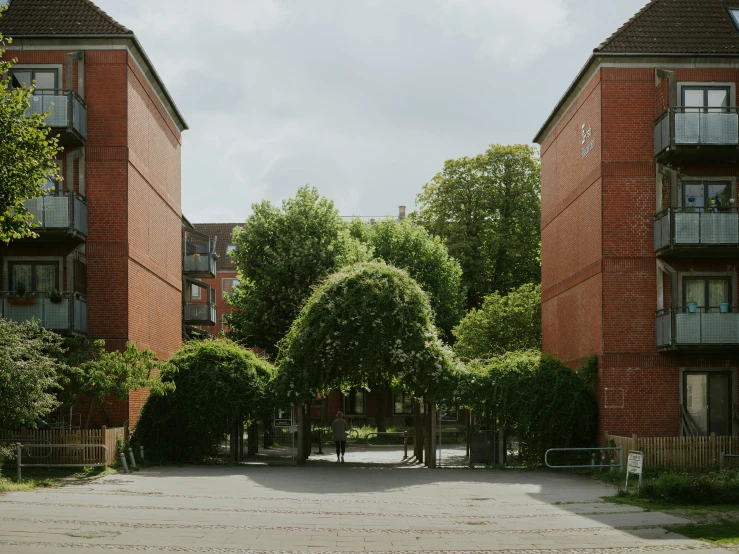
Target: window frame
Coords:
[(224, 294), (704, 303), (708, 373), (705, 88), (706, 182), (734, 14), (33, 264), (193, 296), (230, 248), (33, 69), (351, 402), (404, 396)]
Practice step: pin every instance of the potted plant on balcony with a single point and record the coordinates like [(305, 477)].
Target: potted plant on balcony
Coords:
[(692, 306), (723, 307), (55, 297), (21, 296)]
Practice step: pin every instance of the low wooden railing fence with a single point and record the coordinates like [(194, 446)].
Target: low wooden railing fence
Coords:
[(679, 452), (35, 439)]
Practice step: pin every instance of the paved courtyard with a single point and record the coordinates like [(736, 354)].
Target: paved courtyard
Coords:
[(329, 507)]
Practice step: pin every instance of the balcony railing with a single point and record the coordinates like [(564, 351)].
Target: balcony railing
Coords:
[(692, 127), (693, 229), (67, 111), (200, 265), (65, 212), (200, 313), (67, 314), (712, 327)]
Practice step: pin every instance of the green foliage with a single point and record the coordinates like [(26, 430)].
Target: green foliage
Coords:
[(589, 372), (502, 324), (487, 210), (369, 323), (27, 155), (545, 402), (216, 383), (281, 254), (96, 374), (705, 487), (29, 373), (409, 246)]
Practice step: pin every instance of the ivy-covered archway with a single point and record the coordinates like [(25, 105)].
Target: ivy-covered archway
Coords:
[(366, 325)]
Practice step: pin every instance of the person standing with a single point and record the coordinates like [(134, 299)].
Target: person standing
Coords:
[(340, 427)]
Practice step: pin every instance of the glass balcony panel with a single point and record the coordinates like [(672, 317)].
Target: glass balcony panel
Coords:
[(202, 264), (200, 314), (697, 127), (687, 228), (57, 104), (80, 215), (702, 329), (56, 316), (52, 212)]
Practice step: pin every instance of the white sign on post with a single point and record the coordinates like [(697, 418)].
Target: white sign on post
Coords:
[(634, 466)]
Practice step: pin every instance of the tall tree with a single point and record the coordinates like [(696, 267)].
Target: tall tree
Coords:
[(281, 254), (487, 209), (27, 156), (503, 324)]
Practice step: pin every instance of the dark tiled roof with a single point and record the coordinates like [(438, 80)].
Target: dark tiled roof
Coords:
[(223, 231), (57, 17), (677, 27)]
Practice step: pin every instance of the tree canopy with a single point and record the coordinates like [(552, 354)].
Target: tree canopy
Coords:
[(30, 364), (487, 210), (408, 246), (96, 374), (216, 383), (281, 254), (368, 323), (27, 156), (503, 324), (546, 403)]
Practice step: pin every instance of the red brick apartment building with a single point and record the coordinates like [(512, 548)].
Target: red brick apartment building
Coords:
[(640, 231), (110, 234)]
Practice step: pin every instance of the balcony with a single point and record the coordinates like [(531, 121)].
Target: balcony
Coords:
[(67, 114), (697, 232), (59, 215), (706, 329), (202, 266), (687, 134), (200, 313), (65, 315)]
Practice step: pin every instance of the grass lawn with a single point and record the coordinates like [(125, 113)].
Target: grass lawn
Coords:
[(721, 534), (47, 477)]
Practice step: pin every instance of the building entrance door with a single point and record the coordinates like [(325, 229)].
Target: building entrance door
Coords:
[(708, 401)]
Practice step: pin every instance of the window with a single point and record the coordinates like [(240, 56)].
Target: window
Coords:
[(711, 194), (708, 292), (227, 286), (707, 399), (230, 248), (706, 99), (195, 292), (34, 276), (734, 13), (355, 402), (46, 79), (403, 403)]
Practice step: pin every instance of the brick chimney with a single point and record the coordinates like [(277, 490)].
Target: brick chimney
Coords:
[(401, 213)]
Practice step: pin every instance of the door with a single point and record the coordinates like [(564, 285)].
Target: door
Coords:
[(708, 401)]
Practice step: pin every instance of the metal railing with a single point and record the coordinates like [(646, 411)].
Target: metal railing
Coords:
[(691, 226), (66, 109), (701, 326), (200, 314), (76, 455), (66, 210), (67, 313), (688, 126), (200, 265), (592, 464)]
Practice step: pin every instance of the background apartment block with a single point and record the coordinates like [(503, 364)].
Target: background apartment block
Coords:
[(640, 231), (110, 235)]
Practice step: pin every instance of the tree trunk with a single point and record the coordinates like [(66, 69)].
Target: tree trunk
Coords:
[(380, 418), (324, 410), (89, 413)]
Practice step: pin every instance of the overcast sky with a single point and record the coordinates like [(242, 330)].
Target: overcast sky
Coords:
[(364, 99)]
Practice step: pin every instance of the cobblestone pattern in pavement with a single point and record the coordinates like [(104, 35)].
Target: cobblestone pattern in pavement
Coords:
[(332, 508)]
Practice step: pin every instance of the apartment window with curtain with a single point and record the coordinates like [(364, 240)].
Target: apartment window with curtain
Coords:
[(355, 402), (41, 276), (707, 292)]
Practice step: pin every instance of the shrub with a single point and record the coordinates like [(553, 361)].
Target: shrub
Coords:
[(707, 487), (217, 382), (548, 404)]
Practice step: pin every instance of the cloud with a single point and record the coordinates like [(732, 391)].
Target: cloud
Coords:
[(508, 32)]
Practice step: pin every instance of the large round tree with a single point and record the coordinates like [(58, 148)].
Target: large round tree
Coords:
[(217, 382), (369, 323)]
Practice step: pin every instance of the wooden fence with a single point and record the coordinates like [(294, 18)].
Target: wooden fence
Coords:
[(35, 439), (679, 452)]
